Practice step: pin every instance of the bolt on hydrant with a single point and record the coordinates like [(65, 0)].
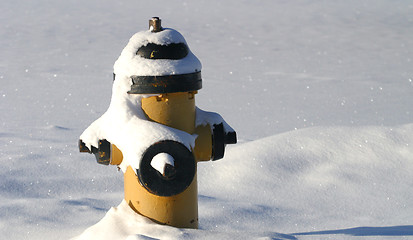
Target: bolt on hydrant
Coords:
[(152, 129)]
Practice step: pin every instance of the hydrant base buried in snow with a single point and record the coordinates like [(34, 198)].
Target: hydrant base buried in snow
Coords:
[(179, 210)]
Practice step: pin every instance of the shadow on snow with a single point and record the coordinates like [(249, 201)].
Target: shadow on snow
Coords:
[(405, 230)]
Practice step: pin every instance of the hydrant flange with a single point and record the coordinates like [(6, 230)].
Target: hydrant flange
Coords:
[(184, 169), (166, 84)]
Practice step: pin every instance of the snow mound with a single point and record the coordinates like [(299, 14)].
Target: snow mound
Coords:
[(358, 175), (339, 170), (122, 223)]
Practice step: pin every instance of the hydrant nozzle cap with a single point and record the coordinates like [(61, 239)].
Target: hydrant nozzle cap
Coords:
[(155, 24)]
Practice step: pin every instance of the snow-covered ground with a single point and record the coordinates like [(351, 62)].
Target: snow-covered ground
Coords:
[(319, 92)]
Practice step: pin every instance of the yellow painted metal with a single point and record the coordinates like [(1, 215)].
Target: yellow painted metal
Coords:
[(203, 143), (176, 110), (116, 156), (180, 210)]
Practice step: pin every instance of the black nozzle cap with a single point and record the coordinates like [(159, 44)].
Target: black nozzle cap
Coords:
[(220, 139), (231, 138)]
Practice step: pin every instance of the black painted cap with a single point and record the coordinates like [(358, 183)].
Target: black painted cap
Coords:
[(164, 52), (166, 84)]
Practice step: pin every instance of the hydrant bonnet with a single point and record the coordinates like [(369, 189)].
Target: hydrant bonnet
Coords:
[(166, 84), (159, 61)]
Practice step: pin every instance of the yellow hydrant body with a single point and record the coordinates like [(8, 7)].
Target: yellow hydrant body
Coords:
[(175, 110), (170, 196)]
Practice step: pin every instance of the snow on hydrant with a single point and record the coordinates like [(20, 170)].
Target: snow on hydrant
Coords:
[(152, 129)]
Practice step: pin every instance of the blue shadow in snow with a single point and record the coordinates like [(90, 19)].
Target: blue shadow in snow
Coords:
[(85, 202), (405, 230)]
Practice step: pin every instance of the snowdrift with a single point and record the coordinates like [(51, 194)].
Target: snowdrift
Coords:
[(358, 175), (340, 72)]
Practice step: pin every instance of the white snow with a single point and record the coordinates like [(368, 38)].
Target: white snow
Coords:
[(160, 160), (204, 117), (130, 64), (319, 92), (125, 125)]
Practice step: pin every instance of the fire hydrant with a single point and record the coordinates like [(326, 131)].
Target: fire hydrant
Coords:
[(155, 82)]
